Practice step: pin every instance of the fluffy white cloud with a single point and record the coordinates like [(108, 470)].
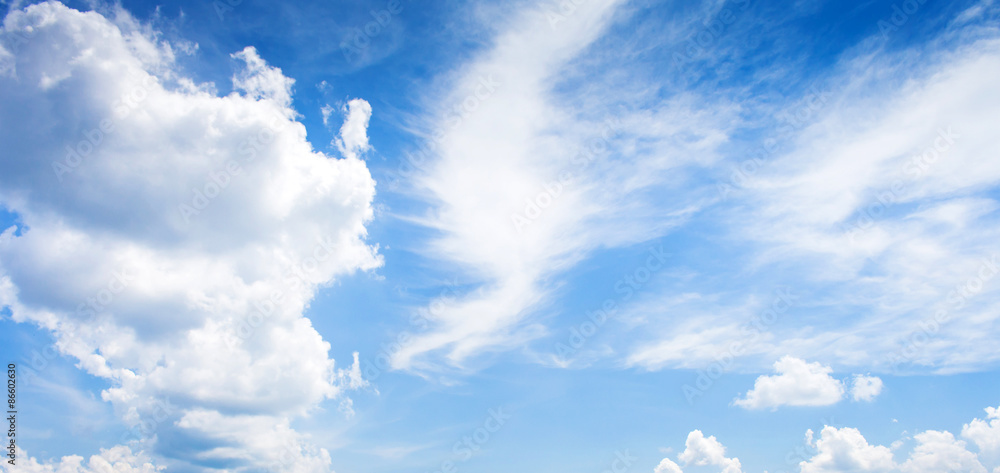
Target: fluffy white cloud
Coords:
[(260, 81), (985, 433), (667, 466), (866, 388), (173, 238), (274, 445), (846, 451), (353, 139), (702, 451), (940, 451), (797, 383), (118, 459)]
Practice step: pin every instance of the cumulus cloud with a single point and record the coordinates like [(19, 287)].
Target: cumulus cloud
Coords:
[(866, 388), (985, 433), (797, 383), (119, 459), (261, 81), (667, 466), (702, 451), (353, 139), (845, 450), (940, 451), (172, 238)]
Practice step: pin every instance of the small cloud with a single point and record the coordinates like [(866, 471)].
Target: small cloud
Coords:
[(326, 110), (985, 433), (704, 451), (353, 139), (866, 388), (261, 81), (668, 466), (797, 383)]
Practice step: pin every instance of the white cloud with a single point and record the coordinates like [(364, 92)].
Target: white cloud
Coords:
[(846, 451), (172, 238), (888, 191), (353, 139), (886, 186), (667, 466), (985, 433), (940, 451), (274, 445), (526, 181), (866, 388), (261, 81), (797, 383), (326, 111), (702, 451), (118, 459), (900, 193)]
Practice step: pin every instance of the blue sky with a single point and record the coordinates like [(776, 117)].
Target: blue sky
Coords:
[(603, 235)]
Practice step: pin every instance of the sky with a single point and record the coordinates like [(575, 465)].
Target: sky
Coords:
[(368, 236)]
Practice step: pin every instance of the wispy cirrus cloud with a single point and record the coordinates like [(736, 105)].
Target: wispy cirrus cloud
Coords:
[(529, 179), (877, 208)]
